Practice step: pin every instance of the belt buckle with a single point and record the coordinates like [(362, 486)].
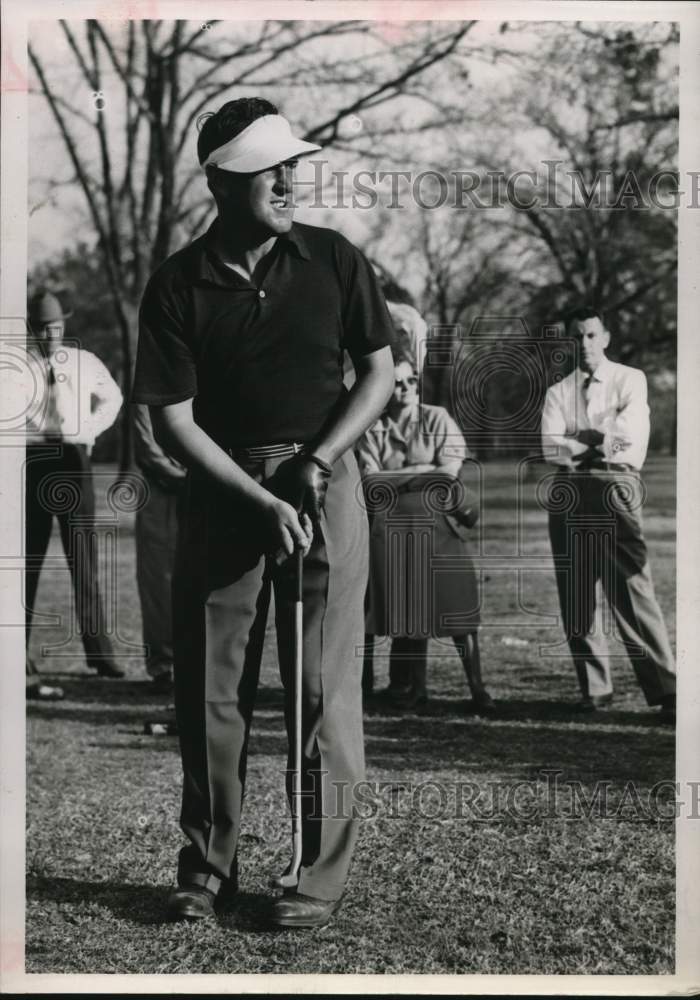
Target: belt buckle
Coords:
[(262, 452)]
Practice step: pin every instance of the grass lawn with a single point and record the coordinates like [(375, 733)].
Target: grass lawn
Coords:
[(472, 860)]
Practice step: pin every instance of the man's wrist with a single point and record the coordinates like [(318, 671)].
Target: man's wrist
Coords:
[(313, 456)]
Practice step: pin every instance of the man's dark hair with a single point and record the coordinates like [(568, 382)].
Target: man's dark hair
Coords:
[(582, 313), (218, 127)]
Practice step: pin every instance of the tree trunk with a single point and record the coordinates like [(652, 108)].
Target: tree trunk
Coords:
[(126, 314)]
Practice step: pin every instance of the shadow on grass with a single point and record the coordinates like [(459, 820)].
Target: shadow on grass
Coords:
[(525, 735), (520, 710), (104, 703), (137, 904), (145, 905), (585, 751), (66, 712)]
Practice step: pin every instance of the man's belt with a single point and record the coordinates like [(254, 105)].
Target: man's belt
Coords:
[(261, 452)]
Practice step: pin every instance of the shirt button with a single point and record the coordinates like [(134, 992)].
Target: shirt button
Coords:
[(261, 293)]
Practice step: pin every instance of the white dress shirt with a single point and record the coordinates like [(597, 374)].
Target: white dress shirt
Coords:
[(71, 395), (614, 403)]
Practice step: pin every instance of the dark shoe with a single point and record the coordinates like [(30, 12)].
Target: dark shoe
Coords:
[(392, 698), (105, 668), (414, 702), (392, 693), (196, 899), (162, 684), (297, 910), (191, 903), (484, 704), (44, 692), (593, 702), (668, 709), (403, 697)]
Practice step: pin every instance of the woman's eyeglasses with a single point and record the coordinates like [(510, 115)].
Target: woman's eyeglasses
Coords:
[(404, 383)]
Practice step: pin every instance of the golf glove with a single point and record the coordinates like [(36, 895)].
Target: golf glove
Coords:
[(302, 481)]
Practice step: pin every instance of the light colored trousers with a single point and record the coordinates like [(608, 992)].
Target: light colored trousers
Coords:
[(222, 593), (595, 527)]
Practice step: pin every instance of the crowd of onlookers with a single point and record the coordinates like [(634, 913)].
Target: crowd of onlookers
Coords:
[(595, 430)]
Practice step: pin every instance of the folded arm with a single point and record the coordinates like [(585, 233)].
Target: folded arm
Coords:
[(626, 435), (559, 447)]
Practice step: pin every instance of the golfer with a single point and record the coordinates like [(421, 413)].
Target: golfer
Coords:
[(242, 337)]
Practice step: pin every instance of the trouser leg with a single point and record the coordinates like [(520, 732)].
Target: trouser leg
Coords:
[(32, 675), (218, 640), (419, 667), (629, 589), (221, 597), (38, 522), (368, 665), (156, 536), (335, 576), (471, 660), (407, 665), (81, 546), (575, 546)]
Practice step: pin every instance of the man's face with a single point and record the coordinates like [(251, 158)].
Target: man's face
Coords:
[(51, 334), (591, 340), (405, 384), (262, 202)]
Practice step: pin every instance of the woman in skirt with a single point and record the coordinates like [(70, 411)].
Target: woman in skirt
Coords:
[(422, 582)]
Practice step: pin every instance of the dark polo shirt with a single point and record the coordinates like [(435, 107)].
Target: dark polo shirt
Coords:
[(263, 362)]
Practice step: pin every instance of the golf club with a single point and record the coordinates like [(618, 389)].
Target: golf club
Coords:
[(291, 876)]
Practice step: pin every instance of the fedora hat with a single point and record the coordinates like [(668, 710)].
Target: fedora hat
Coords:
[(45, 308)]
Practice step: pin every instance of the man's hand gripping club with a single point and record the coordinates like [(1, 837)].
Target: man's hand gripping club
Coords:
[(301, 483)]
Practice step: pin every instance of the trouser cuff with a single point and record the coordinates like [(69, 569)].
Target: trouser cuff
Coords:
[(320, 888), (192, 869)]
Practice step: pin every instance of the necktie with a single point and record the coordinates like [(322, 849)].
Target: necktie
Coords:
[(588, 393), (52, 423)]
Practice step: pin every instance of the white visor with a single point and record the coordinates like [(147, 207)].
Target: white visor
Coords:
[(266, 142)]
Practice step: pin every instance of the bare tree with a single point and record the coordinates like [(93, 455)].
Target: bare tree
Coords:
[(162, 76), (613, 127)]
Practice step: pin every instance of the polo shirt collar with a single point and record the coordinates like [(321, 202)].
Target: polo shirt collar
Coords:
[(296, 238), (208, 266)]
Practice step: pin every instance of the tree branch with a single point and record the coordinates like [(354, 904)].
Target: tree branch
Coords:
[(71, 147), (389, 88)]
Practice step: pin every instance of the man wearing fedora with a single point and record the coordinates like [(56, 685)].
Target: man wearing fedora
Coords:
[(241, 346), (75, 400)]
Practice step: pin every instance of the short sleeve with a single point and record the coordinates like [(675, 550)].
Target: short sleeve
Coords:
[(450, 445), (165, 366), (367, 325), (367, 452)]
